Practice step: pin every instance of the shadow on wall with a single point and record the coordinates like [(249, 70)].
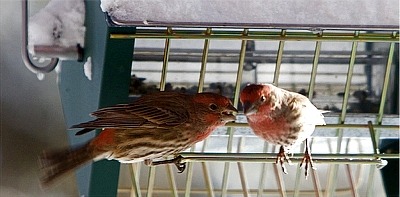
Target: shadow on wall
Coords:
[(31, 115)]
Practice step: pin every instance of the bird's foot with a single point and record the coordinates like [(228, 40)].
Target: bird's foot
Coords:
[(307, 159), (181, 166), (281, 158)]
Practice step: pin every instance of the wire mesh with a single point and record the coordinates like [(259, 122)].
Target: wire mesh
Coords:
[(347, 145)]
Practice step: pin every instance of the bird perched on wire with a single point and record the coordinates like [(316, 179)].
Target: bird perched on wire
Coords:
[(281, 117), (155, 125)]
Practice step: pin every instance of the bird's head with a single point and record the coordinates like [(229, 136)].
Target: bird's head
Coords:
[(253, 96), (216, 108)]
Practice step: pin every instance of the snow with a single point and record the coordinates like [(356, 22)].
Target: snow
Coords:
[(87, 68), (60, 23), (342, 12), (40, 76)]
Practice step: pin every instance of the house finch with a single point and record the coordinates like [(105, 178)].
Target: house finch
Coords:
[(155, 125), (281, 117)]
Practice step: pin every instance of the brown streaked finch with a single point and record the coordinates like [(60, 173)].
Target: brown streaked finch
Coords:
[(153, 126)]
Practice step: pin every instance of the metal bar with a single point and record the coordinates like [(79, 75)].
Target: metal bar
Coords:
[(59, 52), (311, 86), (371, 174), (242, 173), (340, 192), (321, 160), (225, 175), (189, 176), (279, 178), (315, 177), (240, 69), (310, 27), (279, 59), (349, 173), (370, 182), (204, 61), (152, 169), (261, 183), (331, 184), (297, 179), (314, 69), (348, 80), (259, 56), (134, 172), (172, 182), (235, 103), (24, 49), (330, 126), (150, 181), (259, 35), (374, 138), (235, 157), (386, 81), (165, 62), (206, 173)]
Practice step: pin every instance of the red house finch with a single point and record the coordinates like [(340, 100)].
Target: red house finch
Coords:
[(155, 125), (281, 117)]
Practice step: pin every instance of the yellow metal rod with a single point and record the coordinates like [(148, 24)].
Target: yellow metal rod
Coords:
[(317, 51), (150, 181), (386, 81), (263, 174), (165, 62), (296, 156), (172, 182), (260, 35), (206, 173), (204, 61), (279, 59), (235, 103), (331, 126), (339, 191), (134, 170), (242, 172)]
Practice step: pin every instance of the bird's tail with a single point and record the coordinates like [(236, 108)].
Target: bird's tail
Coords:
[(55, 164)]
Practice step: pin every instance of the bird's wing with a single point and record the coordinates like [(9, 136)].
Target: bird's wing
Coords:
[(299, 106), (309, 113), (146, 112)]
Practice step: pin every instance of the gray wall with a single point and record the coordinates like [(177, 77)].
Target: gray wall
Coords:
[(31, 115)]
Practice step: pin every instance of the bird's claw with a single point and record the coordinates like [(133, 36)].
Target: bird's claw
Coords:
[(307, 159), (181, 166), (281, 158)]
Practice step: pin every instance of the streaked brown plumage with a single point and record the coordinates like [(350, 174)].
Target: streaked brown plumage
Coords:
[(281, 117), (155, 125)]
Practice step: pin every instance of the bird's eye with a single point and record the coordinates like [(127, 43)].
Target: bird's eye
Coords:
[(213, 106), (262, 99)]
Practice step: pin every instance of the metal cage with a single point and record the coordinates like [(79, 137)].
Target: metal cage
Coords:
[(233, 162), (343, 133)]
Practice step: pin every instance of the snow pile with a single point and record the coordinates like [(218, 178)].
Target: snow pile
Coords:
[(87, 68), (60, 23), (328, 12)]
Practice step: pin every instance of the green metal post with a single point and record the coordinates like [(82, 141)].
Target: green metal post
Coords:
[(111, 68)]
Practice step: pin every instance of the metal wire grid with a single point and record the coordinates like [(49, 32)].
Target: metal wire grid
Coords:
[(337, 155)]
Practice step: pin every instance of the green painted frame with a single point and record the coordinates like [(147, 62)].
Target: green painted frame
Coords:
[(111, 73)]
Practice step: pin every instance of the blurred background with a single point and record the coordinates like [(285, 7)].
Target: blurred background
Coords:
[(31, 114), (31, 111)]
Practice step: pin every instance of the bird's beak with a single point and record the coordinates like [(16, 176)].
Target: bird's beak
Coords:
[(229, 114), (249, 108)]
